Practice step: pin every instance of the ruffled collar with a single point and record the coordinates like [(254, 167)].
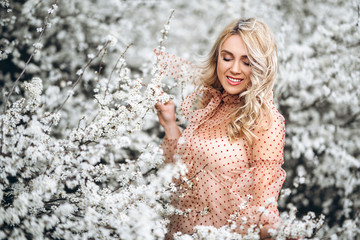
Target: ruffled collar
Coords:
[(211, 99), (228, 98)]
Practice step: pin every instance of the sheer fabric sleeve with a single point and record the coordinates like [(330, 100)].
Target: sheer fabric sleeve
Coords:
[(268, 176), (168, 146), (259, 186), (177, 67)]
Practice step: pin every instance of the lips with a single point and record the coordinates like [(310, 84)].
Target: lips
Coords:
[(234, 81)]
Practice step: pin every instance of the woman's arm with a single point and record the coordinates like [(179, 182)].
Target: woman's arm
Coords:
[(166, 115), (182, 70), (268, 176), (177, 67)]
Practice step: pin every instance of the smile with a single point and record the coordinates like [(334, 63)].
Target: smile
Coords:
[(234, 81)]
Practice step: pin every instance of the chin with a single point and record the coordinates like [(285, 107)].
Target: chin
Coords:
[(233, 91)]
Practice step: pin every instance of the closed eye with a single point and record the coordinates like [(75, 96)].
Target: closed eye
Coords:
[(226, 59)]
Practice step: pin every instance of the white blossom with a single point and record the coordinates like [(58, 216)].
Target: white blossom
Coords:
[(79, 72), (38, 45), (103, 177), (111, 39)]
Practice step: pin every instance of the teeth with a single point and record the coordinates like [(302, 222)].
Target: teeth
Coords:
[(234, 80)]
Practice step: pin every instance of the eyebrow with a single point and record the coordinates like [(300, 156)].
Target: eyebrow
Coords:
[(228, 52)]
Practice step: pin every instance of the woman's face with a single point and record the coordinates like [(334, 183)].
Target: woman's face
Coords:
[(233, 66)]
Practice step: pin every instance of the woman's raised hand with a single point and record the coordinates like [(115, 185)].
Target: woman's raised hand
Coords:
[(166, 115)]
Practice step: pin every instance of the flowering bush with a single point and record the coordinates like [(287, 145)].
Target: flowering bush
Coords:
[(79, 139)]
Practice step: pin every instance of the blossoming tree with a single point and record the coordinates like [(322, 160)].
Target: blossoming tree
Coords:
[(79, 155)]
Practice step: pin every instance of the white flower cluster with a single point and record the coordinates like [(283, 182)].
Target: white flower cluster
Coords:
[(96, 172), (111, 39), (86, 185), (33, 90), (52, 9), (290, 228)]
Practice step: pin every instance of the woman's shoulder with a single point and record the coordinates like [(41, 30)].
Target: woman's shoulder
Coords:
[(273, 121), (277, 116), (274, 111)]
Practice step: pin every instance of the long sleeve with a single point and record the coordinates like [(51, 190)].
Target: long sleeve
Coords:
[(169, 146), (183, 70), (226, 173), (268, 176), (177, 67), (264, 178)]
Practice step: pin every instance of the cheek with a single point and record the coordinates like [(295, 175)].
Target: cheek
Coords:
[(220, 67), (248, 80), (248, 73)]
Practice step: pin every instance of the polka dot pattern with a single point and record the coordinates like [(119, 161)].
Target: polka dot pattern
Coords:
[(231, 171), (177, 67)]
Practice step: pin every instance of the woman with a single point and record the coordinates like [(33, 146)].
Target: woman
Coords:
[(233, 145)]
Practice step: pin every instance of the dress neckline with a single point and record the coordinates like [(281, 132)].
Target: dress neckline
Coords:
[(228, 98)]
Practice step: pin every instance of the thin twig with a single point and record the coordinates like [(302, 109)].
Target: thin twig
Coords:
[(23, 71), (79, 78), (317, 101), (114, 68), (350, 120), (164, 33), (141, 119), (100, 66)]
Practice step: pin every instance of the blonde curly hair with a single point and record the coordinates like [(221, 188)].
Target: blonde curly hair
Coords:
[(262, 54)]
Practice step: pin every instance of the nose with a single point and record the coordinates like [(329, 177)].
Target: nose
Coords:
[(235, 68)]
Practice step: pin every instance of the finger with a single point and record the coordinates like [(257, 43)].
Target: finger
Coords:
[(158, 108), (169, 103), (164, 106)]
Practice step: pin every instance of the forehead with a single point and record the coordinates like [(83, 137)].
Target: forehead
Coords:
[(235, 45)]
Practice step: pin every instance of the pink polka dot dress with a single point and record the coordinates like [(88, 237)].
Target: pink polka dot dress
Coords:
[(225, 177)]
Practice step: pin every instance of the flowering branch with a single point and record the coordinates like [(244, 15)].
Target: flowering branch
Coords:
[(188, 180), (115, 66), (352, 119), (100, 65), (37, 46), (80, 73), (165, 32)]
